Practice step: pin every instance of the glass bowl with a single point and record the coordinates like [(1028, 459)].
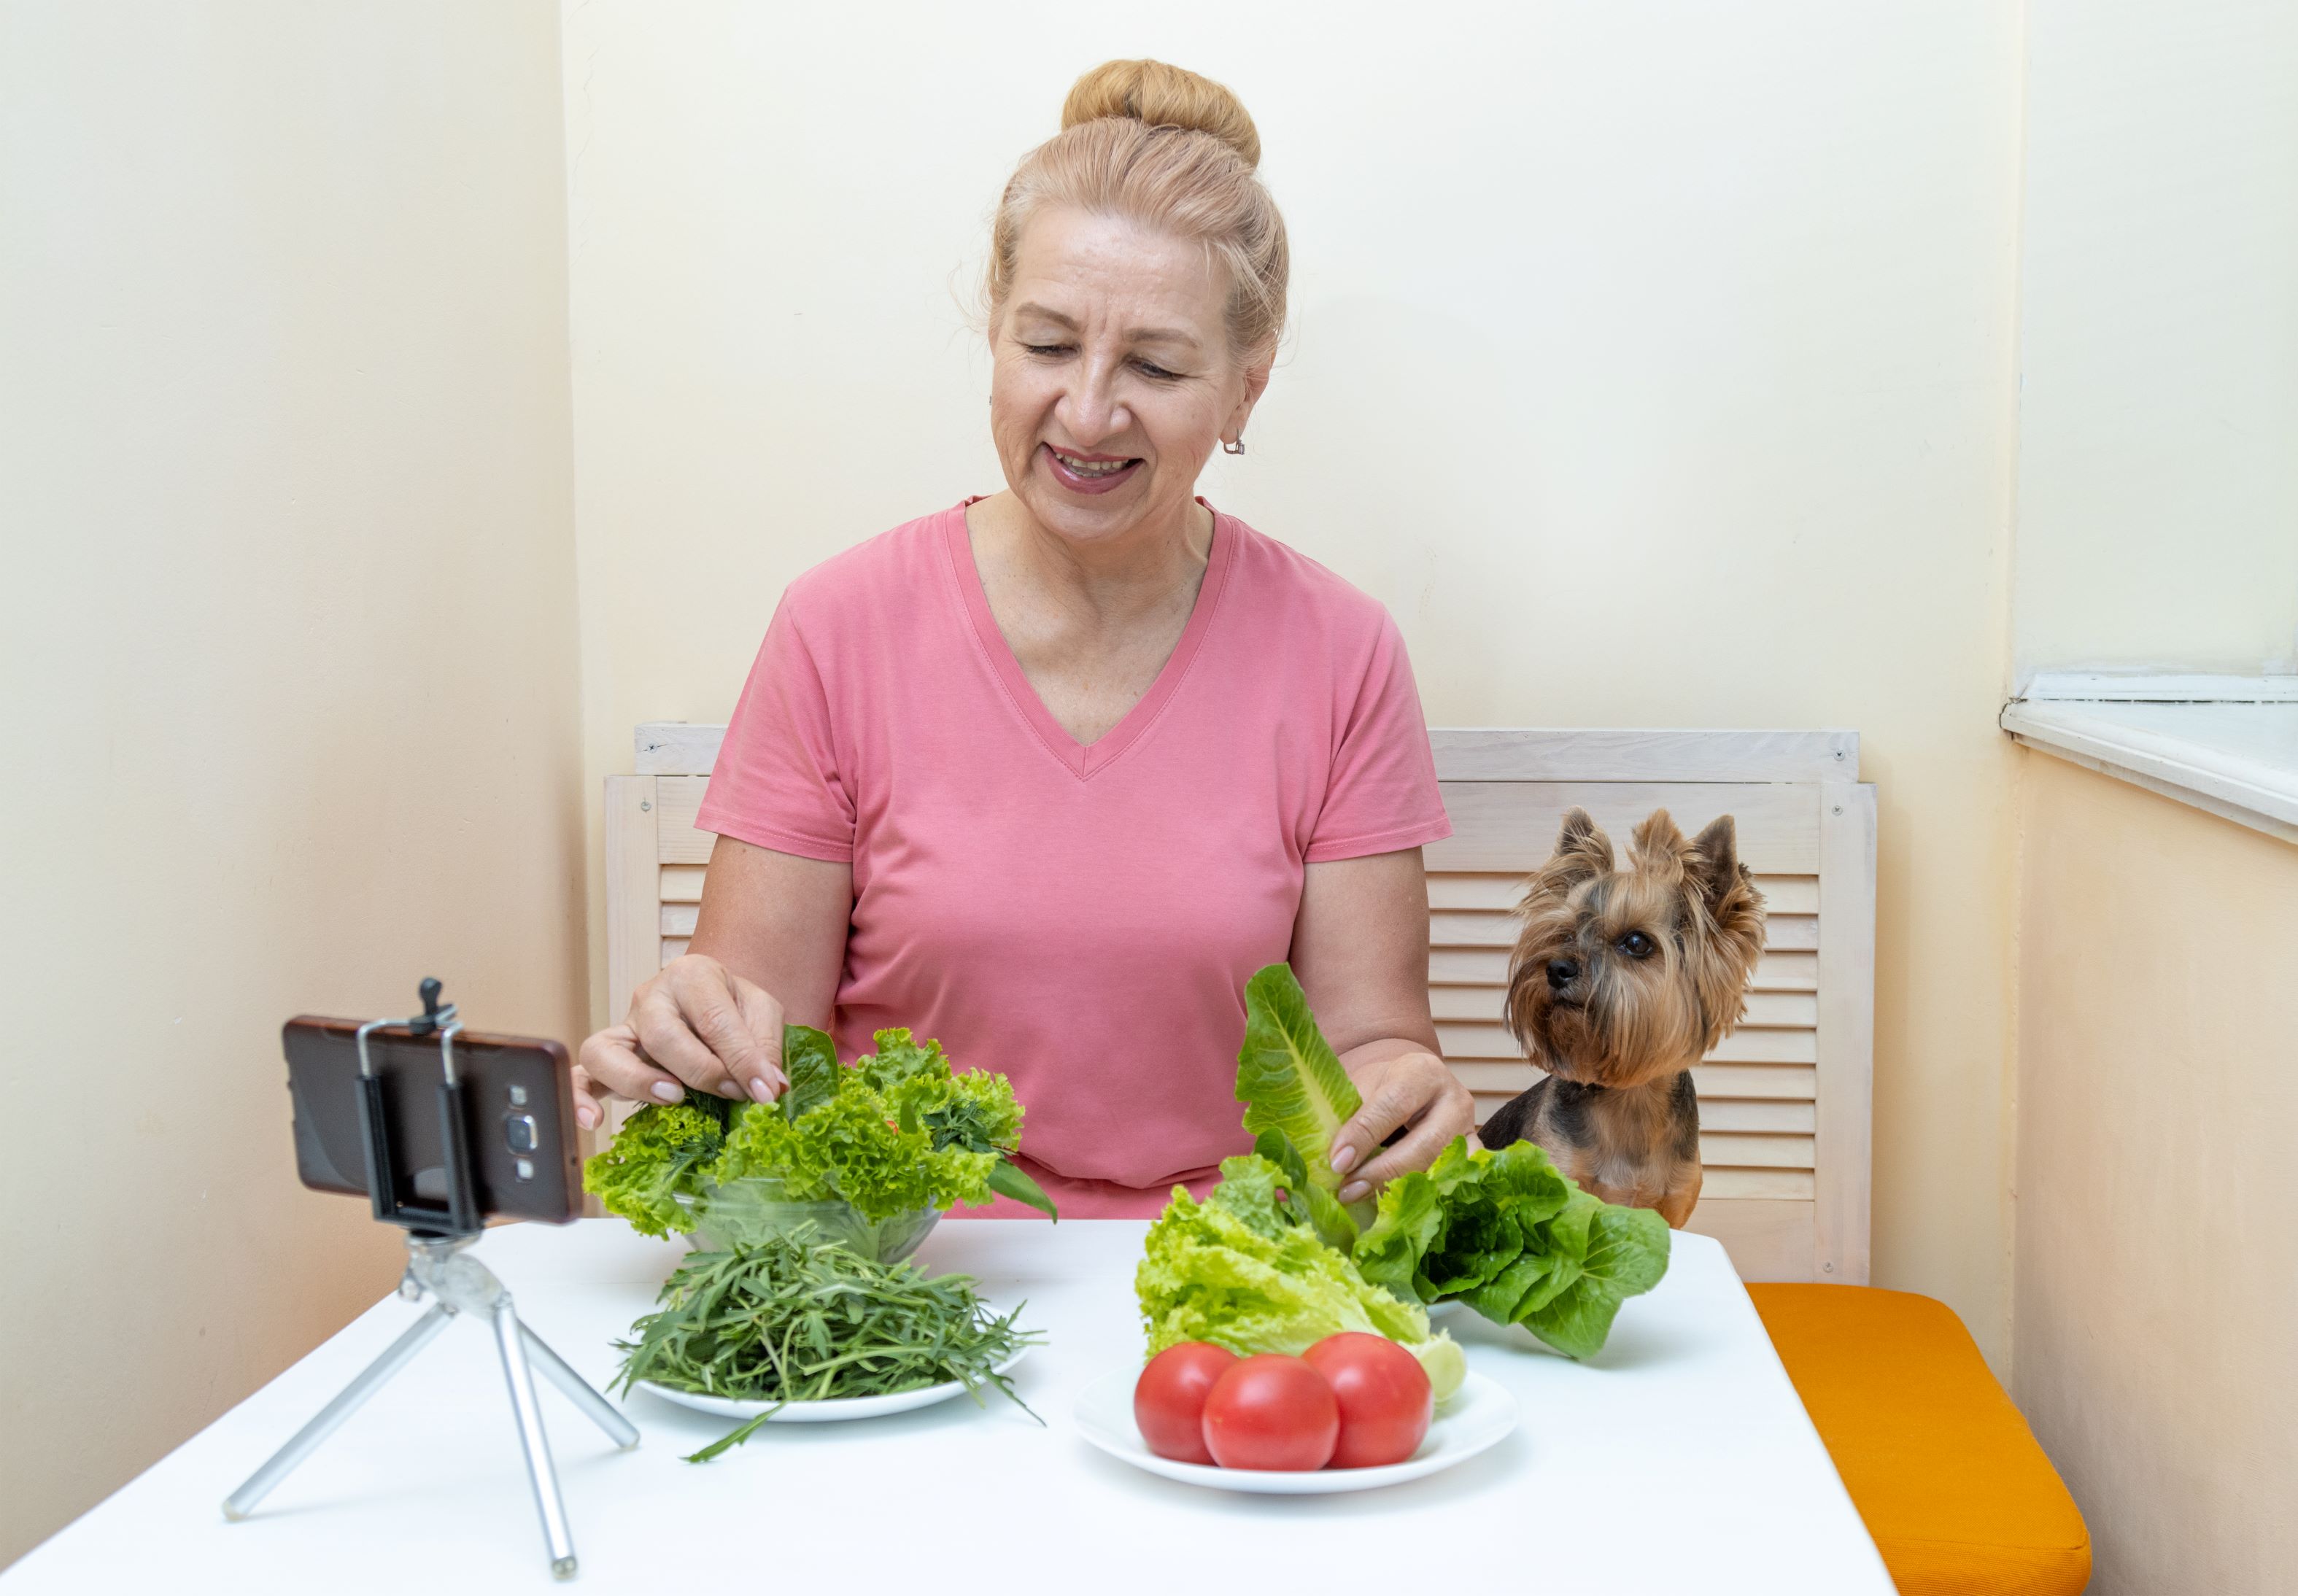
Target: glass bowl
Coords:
[(742, 1214)]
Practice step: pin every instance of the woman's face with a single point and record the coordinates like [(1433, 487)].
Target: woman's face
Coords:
[(1113, 379)]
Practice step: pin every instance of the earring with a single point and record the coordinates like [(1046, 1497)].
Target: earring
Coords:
[(1235, 447)]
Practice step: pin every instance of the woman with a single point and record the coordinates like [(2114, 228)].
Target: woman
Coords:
[(1048, 775)]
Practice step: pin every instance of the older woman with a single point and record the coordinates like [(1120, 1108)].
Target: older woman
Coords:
[(1048, 774)]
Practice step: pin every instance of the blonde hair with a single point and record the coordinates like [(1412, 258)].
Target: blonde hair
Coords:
[(1169, 150)]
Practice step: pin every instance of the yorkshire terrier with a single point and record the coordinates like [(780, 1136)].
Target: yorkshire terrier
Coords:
[(1621, 982)]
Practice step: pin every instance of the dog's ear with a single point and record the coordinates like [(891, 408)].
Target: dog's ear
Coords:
[(1729, 914), (1658, 847), (1582, 853), (1725, 885)]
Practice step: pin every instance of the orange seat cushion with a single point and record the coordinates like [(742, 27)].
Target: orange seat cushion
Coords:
[(1943, 1469)]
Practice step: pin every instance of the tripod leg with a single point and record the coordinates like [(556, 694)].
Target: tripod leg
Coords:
[(580, 1392), (241, 1502), (510, 1340)]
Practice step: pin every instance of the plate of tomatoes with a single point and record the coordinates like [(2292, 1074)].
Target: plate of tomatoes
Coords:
[(1353, 1413)]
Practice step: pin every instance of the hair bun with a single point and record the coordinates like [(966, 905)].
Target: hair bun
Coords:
[(1163, 96)]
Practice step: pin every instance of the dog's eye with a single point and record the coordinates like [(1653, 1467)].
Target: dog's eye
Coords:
[(1637, 946)]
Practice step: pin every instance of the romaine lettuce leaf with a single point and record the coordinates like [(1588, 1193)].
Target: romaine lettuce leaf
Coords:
[(1626, 1253), (1507, 1234), (1288, 1077), (810, 1060)]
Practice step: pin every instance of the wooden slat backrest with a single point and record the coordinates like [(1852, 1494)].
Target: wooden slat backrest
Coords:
[(1784, 1101)]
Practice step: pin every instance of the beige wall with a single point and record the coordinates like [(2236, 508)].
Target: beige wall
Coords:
[(2157, 525), (2157, 1310), (284, 468), (2158, 506), (1653, 365)]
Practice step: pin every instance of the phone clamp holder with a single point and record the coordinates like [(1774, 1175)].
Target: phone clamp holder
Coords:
[(439, 1266)]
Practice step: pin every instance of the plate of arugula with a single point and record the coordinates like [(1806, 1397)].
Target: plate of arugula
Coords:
[(832, 1408)]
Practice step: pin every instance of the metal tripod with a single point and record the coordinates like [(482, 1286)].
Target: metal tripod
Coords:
[(439, 1266)]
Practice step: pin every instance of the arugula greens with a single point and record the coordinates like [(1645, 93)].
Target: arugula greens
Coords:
[(797, 1319), (898, 1132)]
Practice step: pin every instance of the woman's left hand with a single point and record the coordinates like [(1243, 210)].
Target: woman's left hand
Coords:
[(1410, 1088)]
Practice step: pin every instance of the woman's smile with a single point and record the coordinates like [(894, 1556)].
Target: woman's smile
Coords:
[(1085, 473)]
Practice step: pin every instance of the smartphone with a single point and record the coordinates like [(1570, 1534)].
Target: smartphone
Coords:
[(518, 1101)]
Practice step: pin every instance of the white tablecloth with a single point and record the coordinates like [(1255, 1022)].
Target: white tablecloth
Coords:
[(1679, 1461)]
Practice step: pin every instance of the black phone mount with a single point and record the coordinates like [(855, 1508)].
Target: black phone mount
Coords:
[(439, 1267), (459, 1214)]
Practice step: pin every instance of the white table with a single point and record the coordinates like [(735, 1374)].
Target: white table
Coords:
[(1679, 1461)]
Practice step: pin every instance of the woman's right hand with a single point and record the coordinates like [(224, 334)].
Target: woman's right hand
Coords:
[(697, 1026)]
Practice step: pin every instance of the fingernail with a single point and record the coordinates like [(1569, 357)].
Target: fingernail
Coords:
[(1353, 1190), (668, 1091), (760, 1092), (1343, 1156), (586, 1116)]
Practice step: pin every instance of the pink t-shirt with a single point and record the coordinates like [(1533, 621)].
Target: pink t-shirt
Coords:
[(1082, 918)]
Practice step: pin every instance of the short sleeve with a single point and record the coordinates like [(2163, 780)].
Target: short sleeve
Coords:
[(778, 782), (1383, 794)]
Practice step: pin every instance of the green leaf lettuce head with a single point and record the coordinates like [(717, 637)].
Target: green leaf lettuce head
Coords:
[(898, 1131), (660, 1152), (1238, 1271), (1507, 1234)]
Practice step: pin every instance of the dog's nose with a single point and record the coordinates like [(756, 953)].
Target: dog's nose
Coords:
[(1561, 973)]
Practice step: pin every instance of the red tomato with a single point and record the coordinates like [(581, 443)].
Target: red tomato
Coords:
[(1271, 1411), (1168, 1400), (1383, 1393)]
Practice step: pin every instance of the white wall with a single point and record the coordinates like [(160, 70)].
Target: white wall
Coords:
[(1653, 365), (284, 492), (2158, 419)]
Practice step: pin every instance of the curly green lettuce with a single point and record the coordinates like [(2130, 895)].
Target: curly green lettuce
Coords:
[(1239, 1271), (897, 1132), (851, 1146), (661, 1152)]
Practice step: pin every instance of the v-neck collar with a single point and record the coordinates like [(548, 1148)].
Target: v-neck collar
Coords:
[(1084, 759)]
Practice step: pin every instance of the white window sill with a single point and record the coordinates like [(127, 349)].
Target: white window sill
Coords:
[(2226, 744)]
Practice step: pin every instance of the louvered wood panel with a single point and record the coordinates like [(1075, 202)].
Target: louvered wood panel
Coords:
[(1510, 826), (676, 800), (1806, 827), (1776, 971), (1484, 1003), (1478, 928), (1466, 1043), (1502, 890), (1771, 1118), (1719, 1184)]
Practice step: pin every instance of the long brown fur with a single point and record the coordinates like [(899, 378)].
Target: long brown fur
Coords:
[(1622, 980)]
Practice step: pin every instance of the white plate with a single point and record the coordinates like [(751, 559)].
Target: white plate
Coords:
[(1478, 1415), (828, 1412), (1445, 1308)]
